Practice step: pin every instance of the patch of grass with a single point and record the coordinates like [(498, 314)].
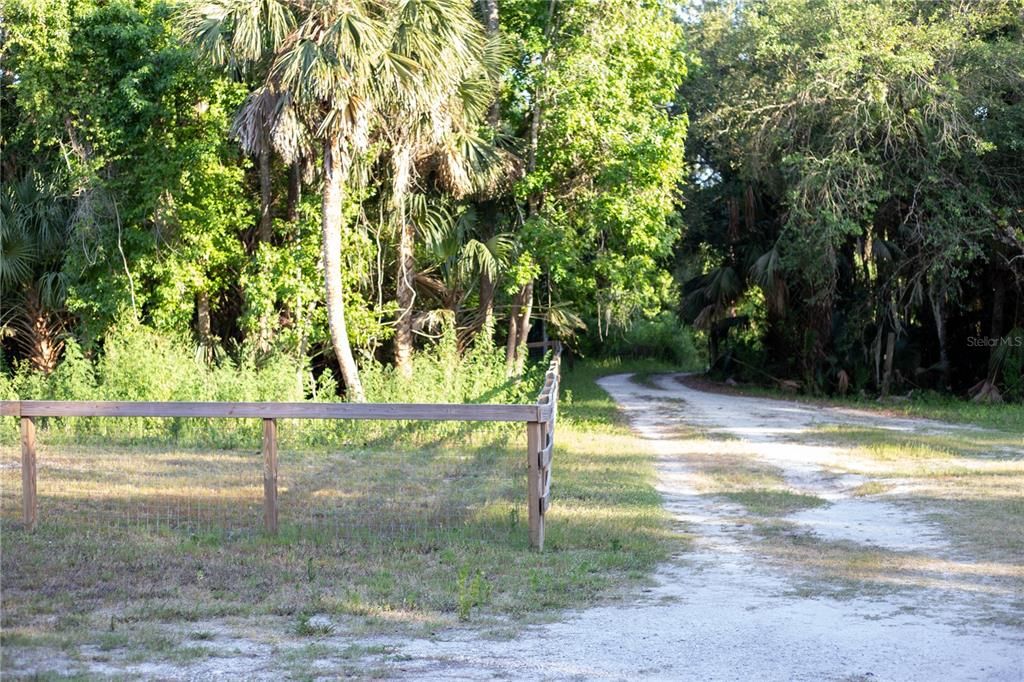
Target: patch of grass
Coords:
[(774, 502), (841, 569), (439, 531), (871, 488), (970, 481), (760, 488), (586, 406), (891, 444)]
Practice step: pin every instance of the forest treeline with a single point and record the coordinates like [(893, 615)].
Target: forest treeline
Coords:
[(323, 197)]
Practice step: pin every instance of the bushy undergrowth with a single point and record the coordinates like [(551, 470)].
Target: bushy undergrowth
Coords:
[(140, 364), (663, 338)]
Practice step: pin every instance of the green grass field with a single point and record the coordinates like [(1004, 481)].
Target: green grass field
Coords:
[(394, 539)]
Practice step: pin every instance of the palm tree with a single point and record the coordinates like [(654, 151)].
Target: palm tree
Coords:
[(333, 68), (35, 226), (459, 255), (430, 129)]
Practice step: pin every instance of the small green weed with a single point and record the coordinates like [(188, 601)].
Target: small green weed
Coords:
[(473, 590), (313, 625), (774, 502)]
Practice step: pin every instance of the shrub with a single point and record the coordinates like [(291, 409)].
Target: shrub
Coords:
[(663, 337), (141, 364)]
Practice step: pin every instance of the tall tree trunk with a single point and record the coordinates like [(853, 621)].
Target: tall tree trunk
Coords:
[(406, 296), (489, 209), (266, 230), (294, 190), (890, 351), (519, 324), (334, 178), (515, 352), (265, 233), (401, 166)]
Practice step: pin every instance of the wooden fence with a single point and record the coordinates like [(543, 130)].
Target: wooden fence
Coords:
[(539, 419)]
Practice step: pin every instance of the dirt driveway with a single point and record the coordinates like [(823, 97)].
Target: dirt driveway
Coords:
[(733, 608)]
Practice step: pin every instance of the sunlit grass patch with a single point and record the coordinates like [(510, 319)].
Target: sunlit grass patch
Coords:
[(890, 444), (970, 481), (774, 502), (378, 538), (840, 568), (871, 488), (759, 487)]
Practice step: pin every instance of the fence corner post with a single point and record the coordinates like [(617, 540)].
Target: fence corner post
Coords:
[(534, 443), (270, 476), (28, 473)]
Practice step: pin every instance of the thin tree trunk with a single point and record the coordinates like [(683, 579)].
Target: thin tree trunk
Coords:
[(334, 289), (491, 19), (266, 232), (513, 335), (406, 296), (485, 309), (514, 354), (939, 311), (294, 191), (203, 326), (519, 321), (266, 219), (523, 330)]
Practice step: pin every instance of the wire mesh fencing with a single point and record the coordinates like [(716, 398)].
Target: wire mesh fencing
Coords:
[(338, 481)]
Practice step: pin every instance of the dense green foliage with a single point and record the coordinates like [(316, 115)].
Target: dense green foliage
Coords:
[(294, 187), (858, 174), (164, 165)]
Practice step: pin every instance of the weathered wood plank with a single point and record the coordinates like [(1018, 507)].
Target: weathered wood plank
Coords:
[(269, 410), (10, 408), (546, 455), (28, 473), (534, 437), (270, 476)]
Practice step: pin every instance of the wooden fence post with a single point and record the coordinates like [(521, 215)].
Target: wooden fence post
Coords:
[(534, 443), (270, 475), (28, 472)]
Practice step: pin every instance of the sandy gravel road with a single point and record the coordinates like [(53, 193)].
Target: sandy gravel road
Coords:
[(721, 612)]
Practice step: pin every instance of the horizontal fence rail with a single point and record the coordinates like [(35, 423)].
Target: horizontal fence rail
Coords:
[(385, 411), (539, 419)]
